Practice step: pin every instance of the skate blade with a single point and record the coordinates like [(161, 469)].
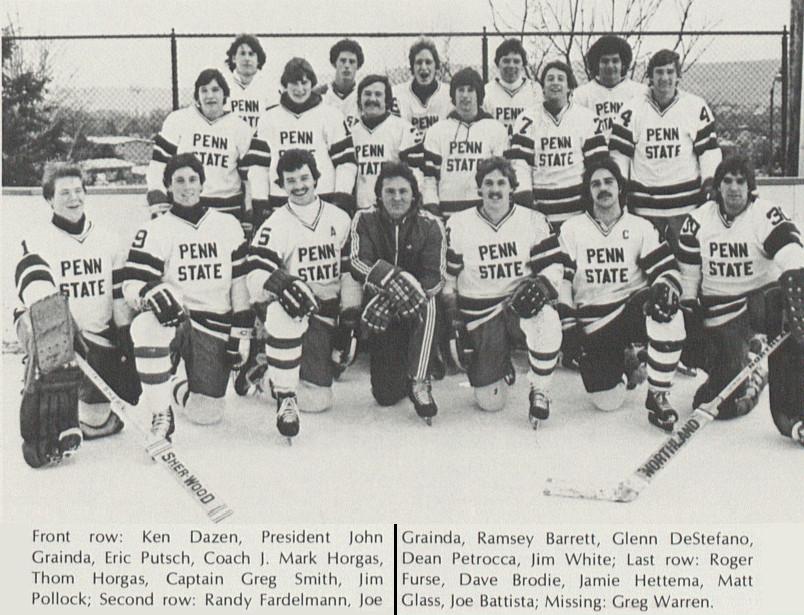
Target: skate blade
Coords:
[(290, 441), (429, 421)]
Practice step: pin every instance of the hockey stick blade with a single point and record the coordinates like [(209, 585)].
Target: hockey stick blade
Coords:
[(629, 489), (163, 452)]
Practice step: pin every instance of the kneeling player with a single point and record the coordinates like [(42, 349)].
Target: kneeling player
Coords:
[(190, 262), (299, 260), (625, 289), (398, 251), (494, 296), (70, 259), (731, 251)]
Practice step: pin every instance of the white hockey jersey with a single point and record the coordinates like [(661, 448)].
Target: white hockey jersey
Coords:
[(85, 266), (200, 258), (606, 267), (347, 105), (665, 153), (393, 139), (421, 116), (607, 102), (487, 261), (317, 252), (505, 103), (222, 145), (249, 101), (548, 153), (722, 261), (317, 128), (452, 149)]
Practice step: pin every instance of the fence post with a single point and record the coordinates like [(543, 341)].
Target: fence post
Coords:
[(174, 69), (485, 52)]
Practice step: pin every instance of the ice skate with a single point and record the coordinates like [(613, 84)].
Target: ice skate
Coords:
[(660, 412), (112, 425), (797, 433), (422, 398), (287, 415), (539, 407), (162, 425), (686, 371)]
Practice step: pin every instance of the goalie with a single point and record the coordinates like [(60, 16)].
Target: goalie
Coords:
[(494, 295), (70, 259), (731, 252)]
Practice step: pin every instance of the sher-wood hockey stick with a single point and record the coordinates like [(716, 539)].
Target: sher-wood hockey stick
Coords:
[(162, 451), (629, 489)]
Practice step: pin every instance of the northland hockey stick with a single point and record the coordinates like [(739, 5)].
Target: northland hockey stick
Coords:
[(162, 451), (629, 489)]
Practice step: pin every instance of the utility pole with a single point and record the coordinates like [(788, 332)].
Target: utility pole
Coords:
[(795, 161)]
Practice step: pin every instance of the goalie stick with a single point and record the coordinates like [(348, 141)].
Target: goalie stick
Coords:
[(162, 451), (629, 489)]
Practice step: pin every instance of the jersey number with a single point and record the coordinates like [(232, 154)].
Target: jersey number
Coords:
[(776, 216), (526, 122), (265, 235), (690, 227), (626, 118), (139, 238)]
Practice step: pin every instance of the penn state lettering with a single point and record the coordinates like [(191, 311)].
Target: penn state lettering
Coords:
[(500, 269), (78, 267), (195, 251), (370, 157), (209, 158), (319, 271), (550, 156), (508, 114), (730, 268), (424, 122), (296, 137), (669, 145), (246, 106), (606, 275)]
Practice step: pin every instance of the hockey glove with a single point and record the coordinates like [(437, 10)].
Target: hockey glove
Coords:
[(663, 302), (407, 295), (792, 282), (295, 297), (344, 341), (460, 348), (159, 298), (378, 313), (240, 335), (531, 296), (158, 203)]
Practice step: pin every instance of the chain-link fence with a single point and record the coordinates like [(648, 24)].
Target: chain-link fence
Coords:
[(107, 96)]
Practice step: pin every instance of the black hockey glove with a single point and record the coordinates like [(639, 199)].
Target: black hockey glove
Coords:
[(663, 301), (158, 203), (238, 344), (792, 282), (460, 346), (378, 313), (344, 340), (407, 295), (531, 296), (159, 298), (295, 297)]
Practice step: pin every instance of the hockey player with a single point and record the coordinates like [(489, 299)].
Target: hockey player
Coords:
[(346, 57), (301, 120), (423, 100), (455, 145), (625, 288), (511, 92), (494, 296), (549, 146), (378, 137), (221, 141), (398, 251), (608, 62), (251, 91), (665, 143), (71, 257), (186, 274), (299, 261), (731, 252)]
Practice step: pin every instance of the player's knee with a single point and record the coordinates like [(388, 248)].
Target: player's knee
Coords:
[(608, 401), (313, 398), (279, 324), (671, 331), (543, 330), (204, 410), (492, 397), (146, 331), (388, 395)]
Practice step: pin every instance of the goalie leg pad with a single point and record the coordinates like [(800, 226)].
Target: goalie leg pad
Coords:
[(786, 385), (792, 283), (53, 333)]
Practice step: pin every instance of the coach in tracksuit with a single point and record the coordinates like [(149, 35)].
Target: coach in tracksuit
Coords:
[(399, 238)]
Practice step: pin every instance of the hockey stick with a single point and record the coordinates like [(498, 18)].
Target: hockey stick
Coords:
[(162, 451), (629, 489)]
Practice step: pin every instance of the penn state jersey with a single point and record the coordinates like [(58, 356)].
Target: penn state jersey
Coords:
[(346, 104), (421, 115), (249, 101), (506, 103), (607, 102)]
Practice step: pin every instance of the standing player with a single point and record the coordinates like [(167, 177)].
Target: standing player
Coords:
[(186, 273), (251, 92), (71, 257), (550, 145), (455, 145), (731, 252), (398, 251), (300, 264), (608, 61), (494, 295), (378, 137), (301, 120), (665, 143), (346, 57), (511, 93), (423, 100), (219, 139), (625, 287)]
